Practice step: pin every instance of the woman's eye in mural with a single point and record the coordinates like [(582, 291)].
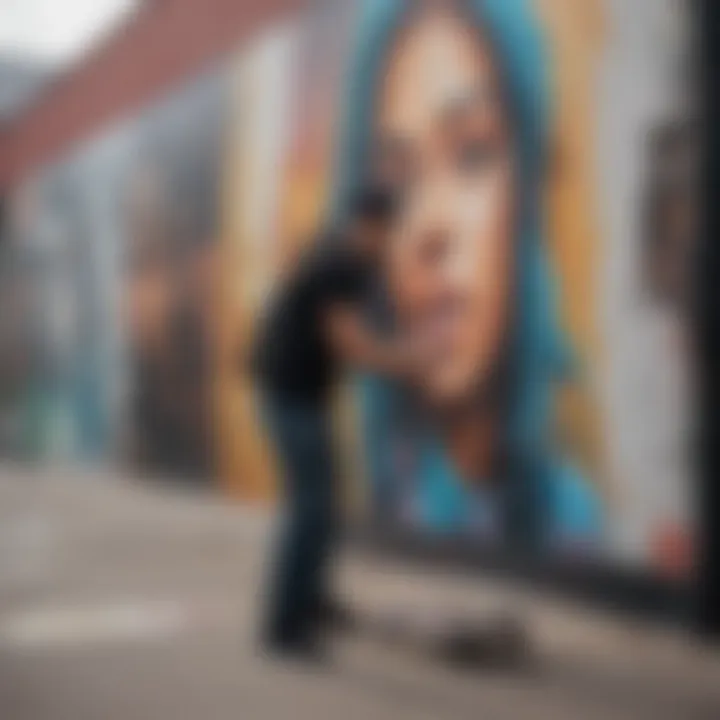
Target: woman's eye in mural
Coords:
[(474, 132)]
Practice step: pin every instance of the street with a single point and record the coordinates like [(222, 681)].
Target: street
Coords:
[(123, 599)]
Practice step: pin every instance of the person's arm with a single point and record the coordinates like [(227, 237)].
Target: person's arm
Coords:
[(358, 345)]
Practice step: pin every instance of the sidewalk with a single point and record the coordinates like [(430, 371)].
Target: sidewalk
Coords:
[(119, 600)]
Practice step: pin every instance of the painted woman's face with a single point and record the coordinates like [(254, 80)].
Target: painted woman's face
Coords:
[(443, 138)]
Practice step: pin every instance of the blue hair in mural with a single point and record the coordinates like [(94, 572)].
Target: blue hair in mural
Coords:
[(542, 499)]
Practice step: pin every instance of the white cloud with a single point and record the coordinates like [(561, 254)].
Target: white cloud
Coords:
[(57, 31)]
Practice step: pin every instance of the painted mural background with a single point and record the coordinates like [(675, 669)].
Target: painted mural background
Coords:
[(107, 350), (547, 157), (594, 413)]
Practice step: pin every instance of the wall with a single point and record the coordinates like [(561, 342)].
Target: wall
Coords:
[(168, 40)]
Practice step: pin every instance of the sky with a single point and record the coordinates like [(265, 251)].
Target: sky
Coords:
[(55, 32)]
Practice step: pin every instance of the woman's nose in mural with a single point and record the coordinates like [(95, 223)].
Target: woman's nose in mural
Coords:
[(428, 228)]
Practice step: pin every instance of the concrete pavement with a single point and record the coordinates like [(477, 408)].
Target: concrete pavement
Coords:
[(120, 599)]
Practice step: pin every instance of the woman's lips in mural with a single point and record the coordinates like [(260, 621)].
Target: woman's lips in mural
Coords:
[(435, 326)]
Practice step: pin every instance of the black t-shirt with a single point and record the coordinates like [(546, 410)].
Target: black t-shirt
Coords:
[(293, 357)]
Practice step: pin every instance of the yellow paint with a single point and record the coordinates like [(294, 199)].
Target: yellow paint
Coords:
[(576, 32)]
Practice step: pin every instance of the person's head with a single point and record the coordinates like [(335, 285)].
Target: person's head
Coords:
[(443, 138), (369, 219)]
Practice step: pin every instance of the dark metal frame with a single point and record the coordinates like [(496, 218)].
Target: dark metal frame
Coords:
[(707, 611)]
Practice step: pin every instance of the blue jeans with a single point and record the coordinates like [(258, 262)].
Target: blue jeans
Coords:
[(301, 434)]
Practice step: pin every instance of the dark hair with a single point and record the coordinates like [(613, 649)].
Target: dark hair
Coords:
[(373, 202)]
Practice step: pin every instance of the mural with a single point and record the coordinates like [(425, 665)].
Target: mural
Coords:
[(511, 254), (21, 357), (545, 153), (58, 319), (169, 215), (113, 248), (468, 270)]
